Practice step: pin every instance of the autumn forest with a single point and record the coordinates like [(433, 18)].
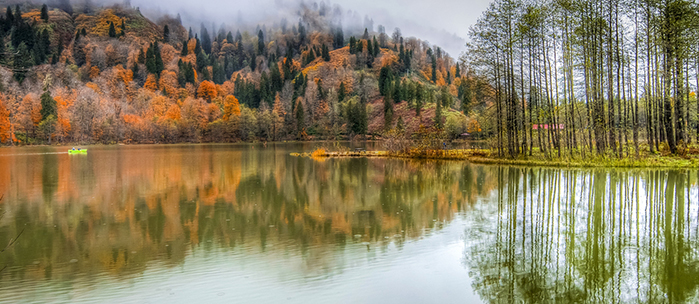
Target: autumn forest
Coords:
[(87, 74)]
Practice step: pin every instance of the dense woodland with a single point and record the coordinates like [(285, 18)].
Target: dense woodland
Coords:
[(87, 74), (576, 78)]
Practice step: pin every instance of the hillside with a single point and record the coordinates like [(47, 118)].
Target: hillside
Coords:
[(112, 75)]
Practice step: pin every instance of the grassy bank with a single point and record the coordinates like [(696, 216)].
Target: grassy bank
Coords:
[(480, 156)]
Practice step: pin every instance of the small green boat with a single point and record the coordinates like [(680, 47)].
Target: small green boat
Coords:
[(77, 151)]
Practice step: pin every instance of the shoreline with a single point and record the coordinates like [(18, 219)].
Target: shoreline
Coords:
[(483, 157)]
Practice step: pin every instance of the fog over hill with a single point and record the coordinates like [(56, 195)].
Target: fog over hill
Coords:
[(441, 22)]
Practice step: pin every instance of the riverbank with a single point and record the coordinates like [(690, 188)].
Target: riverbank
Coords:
[(484, 156)]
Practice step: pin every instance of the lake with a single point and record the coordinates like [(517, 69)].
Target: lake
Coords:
[(248, 223)]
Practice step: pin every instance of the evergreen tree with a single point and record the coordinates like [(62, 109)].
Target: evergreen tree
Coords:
[(21, 62), (48, 106), (166, 34), (397, 92), (150, 60), (202, 60), (275, 76), (321, 92), (260, 43), (341, 92), (418, 99), (197, 46), (300, 123), (438, 116), (253, 63), (387, 112), (366, 34), (229, 37), (325, 53), (185, 50), (205, 40), (370, 48), (352, 45), (44, 13), (112, 30), (219, 73), (338, 38), (385, 78), (434, 69), (377, 49), (123, 27)]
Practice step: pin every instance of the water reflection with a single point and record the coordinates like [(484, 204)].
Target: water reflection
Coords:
[(118, 209), (140, 214), (600, 236)]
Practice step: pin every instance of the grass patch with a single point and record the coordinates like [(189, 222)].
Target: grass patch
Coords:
[(483, 156)]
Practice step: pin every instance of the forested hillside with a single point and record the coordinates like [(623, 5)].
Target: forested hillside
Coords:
[(111, 75)]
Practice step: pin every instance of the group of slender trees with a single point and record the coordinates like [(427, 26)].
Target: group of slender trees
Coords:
[(573, 76)]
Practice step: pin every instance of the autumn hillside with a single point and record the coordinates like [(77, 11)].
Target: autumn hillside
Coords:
[(111, 75)]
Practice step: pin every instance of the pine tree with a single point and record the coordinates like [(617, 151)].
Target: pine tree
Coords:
[(159, 65), (48, 106), (325, 53), (44, 13), (197, 46), (260, 43), (112, 30), (387, 112), (377, 49), (205, 40), (438, 116), (300, 122), (21, 62), (434, 69), (341, 92), (166, 34), (219, 73), (185, 50)]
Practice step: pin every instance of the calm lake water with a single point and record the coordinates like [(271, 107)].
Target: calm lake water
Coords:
[(252, 224)]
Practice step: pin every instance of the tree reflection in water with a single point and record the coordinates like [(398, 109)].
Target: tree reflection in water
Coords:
[(595, 236), (118, 210)]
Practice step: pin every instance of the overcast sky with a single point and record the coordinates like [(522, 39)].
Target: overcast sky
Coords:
[(441, 22)]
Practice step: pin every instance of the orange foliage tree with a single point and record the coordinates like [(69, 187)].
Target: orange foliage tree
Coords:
[(168, 82), (151, 83), (64, 102), (5, 127), (231, 107), (29, 113), (207, 90)]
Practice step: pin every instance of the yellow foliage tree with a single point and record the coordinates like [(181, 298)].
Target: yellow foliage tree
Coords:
[(106, 17)]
